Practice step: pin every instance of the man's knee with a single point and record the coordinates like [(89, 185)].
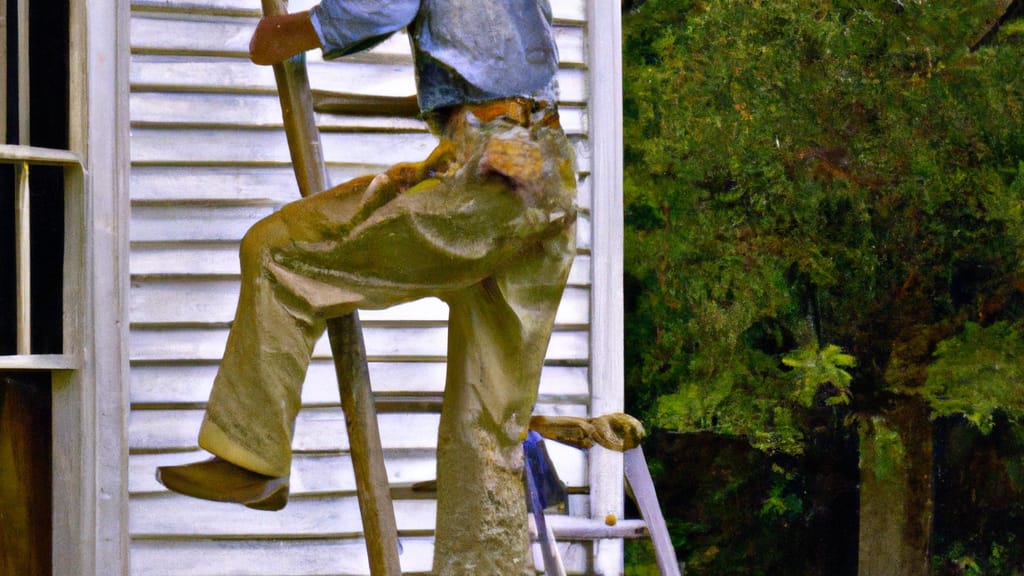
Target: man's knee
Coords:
[(259, 241)]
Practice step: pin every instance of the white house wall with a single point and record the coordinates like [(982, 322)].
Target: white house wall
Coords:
[(208, 159)]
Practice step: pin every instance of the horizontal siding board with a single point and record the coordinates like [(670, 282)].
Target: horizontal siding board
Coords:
[(235, 75), (564, 10), (303, 517), (190, 301), (311, 473), (245, 111), (234, 7), (247, 184), (225, 184), (165, 384), (185, 34), (192, 35), (213, 302), (575, 557), (248, 181), (201, 222), (196, 109), (373, 151), (332, 473), (221, 259), (230, 37), (581, 147), (190, 384), (307, 557), (316, 429), (583, 232), (180, 222), (206, 344), (198, 344), (584, 192), (570, 463), (197, 146)]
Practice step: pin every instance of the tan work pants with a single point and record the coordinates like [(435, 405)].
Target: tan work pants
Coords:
[(487, 225)]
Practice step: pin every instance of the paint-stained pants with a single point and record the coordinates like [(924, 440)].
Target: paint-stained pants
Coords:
[(487, 224)]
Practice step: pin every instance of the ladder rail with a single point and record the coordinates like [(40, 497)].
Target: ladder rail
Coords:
[(345, 334)]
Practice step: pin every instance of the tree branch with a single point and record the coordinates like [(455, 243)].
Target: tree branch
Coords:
[(1011, 9)]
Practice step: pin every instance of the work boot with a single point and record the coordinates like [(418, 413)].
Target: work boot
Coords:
[(221, 481)]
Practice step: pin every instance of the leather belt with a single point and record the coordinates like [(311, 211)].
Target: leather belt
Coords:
[(522, 111), (518, 110)]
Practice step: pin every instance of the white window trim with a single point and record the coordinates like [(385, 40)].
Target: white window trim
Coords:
[(90, 449)]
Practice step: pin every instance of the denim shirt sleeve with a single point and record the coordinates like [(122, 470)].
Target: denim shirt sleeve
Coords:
[(347, 26)]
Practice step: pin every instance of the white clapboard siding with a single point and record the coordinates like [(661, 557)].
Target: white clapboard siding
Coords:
[(200, 73), (218, 259), (183, 301), (312, 473), (566, 11), (197, 147), (209, 159), (316, 429), (164, 383), (269, 557), (319, 467), (382, 342), (182, 109), (217, 147), (171, 514), (241, 184), (230, 37), (310, 557), (223, 222)]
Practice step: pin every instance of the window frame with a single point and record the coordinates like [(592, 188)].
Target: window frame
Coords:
[(89, 378)]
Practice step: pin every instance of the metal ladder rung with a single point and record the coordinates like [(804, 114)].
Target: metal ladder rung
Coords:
[(577, 528), (568, 528)]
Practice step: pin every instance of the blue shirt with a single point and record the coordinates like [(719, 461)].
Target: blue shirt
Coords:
[(465, 50)]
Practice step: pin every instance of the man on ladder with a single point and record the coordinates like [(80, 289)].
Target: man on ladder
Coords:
[(486, 223)]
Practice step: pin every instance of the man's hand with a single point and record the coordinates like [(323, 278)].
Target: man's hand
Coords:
[(278, 38)]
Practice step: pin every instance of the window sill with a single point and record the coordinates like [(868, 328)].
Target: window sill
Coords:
[(38, 362)]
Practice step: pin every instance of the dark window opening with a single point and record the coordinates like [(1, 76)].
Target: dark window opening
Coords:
[(26, 423), (47, 105), (25, 482)]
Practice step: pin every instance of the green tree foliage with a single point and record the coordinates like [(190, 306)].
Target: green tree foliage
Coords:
[(818, 194), (824, 218), (978, 373)]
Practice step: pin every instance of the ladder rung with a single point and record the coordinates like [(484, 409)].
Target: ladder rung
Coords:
[(578, 528), (387, 403)]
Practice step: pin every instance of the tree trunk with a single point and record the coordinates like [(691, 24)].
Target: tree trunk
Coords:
[(896, 492)]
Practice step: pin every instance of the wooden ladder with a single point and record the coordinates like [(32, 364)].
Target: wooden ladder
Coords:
[(345, 333)]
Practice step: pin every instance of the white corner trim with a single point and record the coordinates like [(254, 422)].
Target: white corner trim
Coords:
[(604, 22), (90, 404)]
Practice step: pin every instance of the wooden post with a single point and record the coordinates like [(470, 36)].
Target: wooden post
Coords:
[(378, 515), (22, 260), (22, 213)]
